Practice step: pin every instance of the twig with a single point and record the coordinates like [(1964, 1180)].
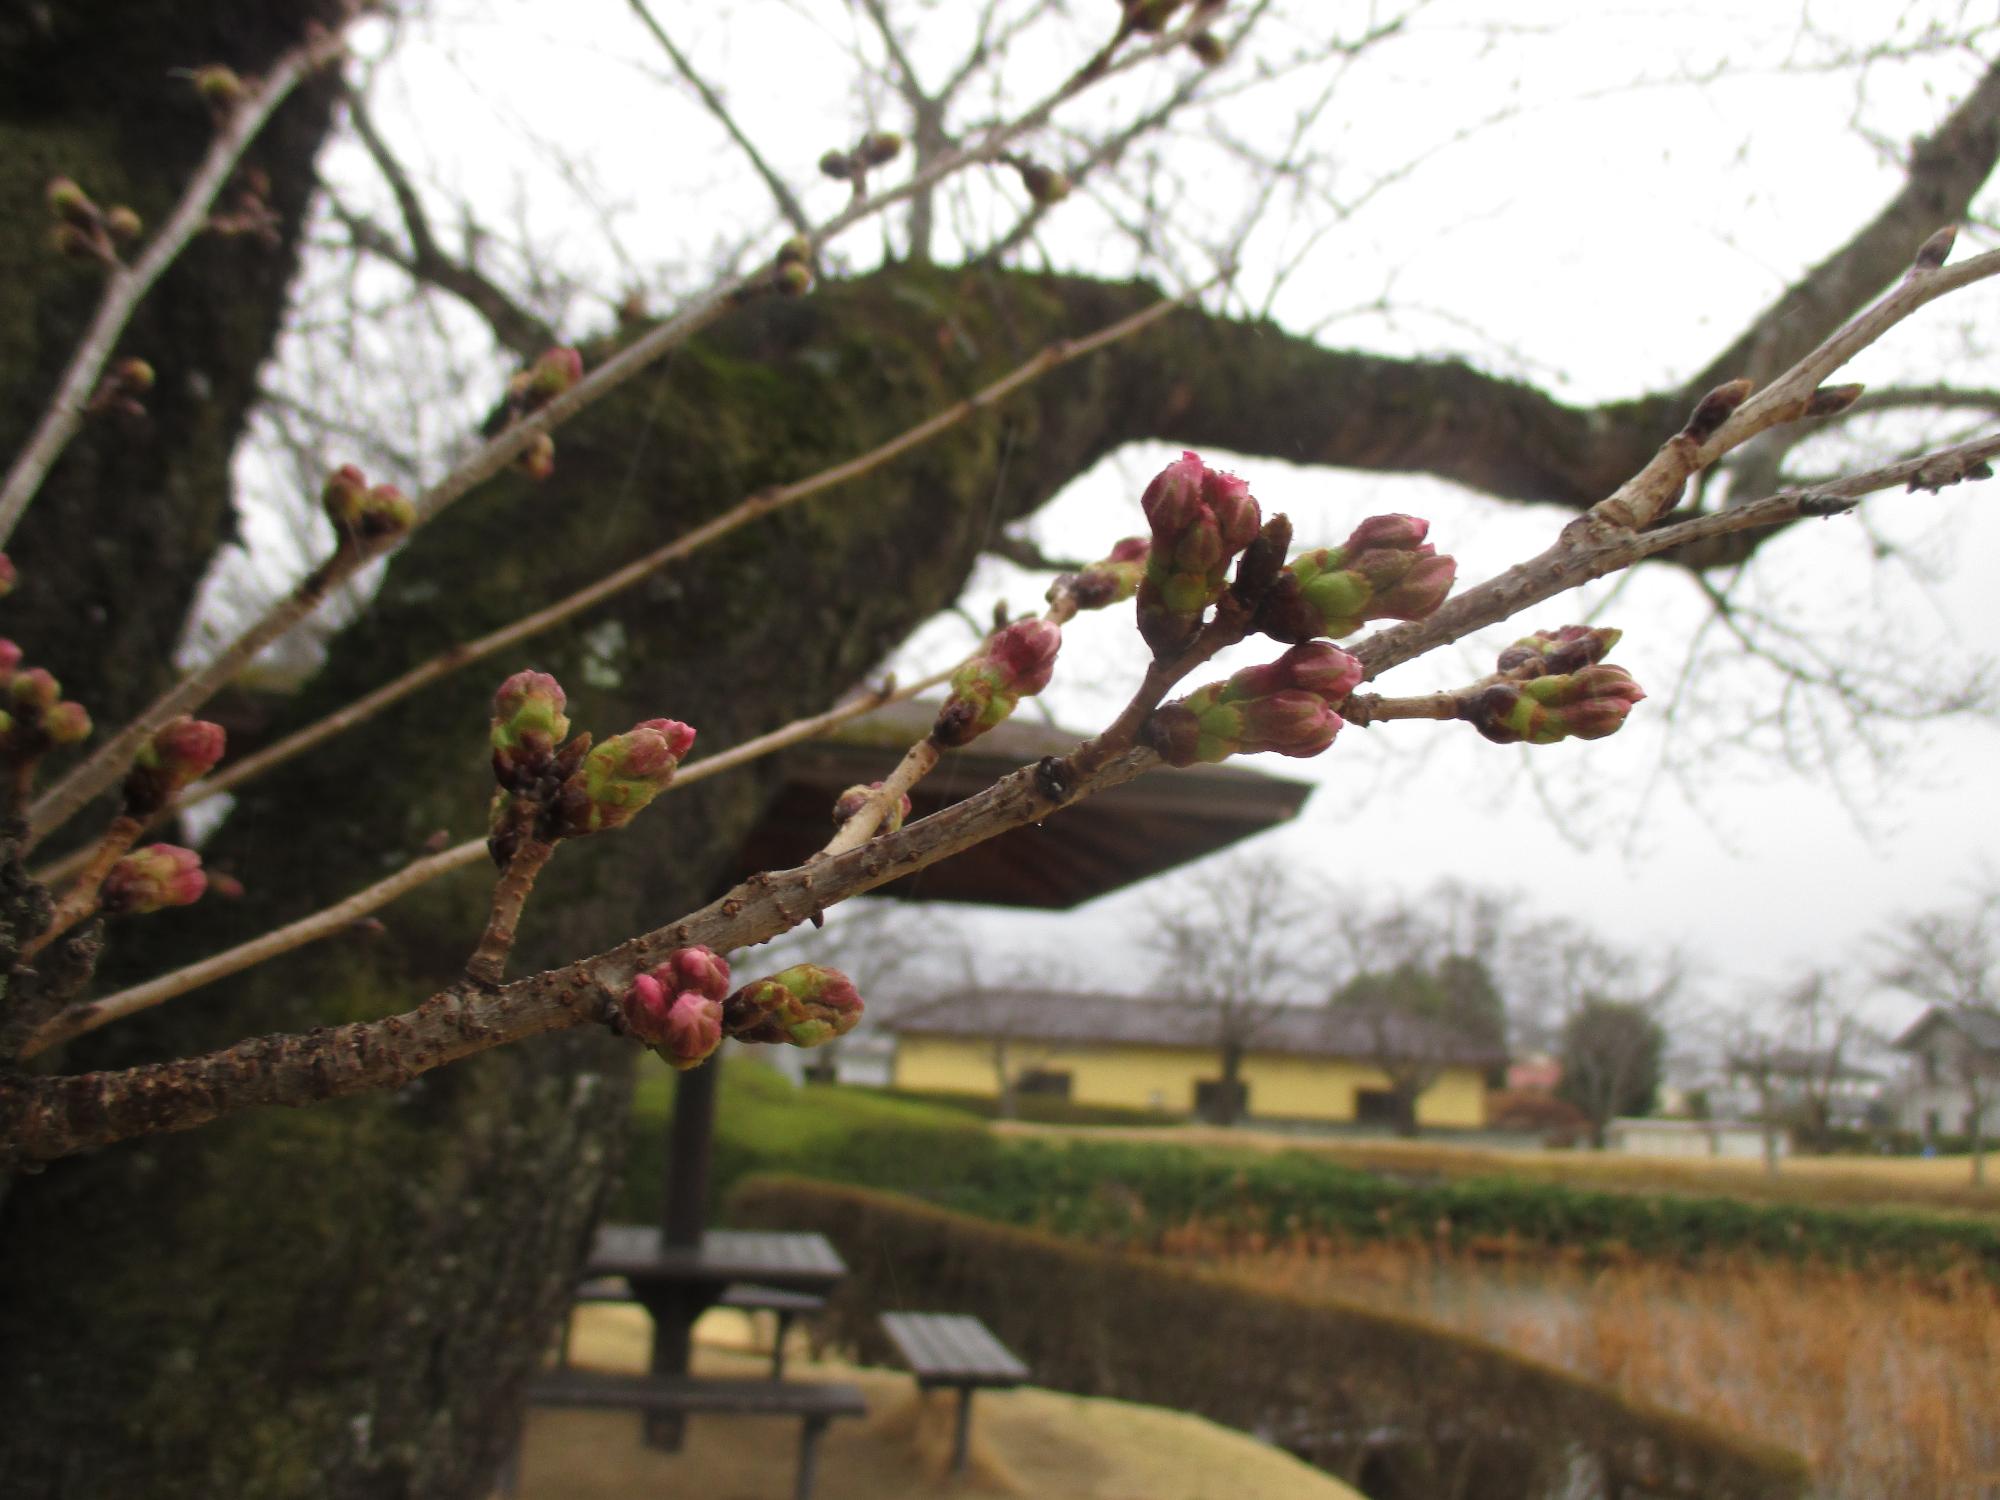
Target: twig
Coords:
[(108, 763), (80, 900), (750, 508), (512, 325), (510, 896), (788, 205), (126, 286), (92, 1014)]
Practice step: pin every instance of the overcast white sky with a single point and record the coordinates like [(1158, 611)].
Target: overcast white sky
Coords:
[(1604, 231)]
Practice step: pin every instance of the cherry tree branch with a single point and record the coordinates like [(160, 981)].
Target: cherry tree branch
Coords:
[(96, 773), (125, 287), (752, 507)]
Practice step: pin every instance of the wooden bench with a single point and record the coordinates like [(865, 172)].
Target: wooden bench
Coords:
[(743, 1296), (958, 1351), (816, 1402)]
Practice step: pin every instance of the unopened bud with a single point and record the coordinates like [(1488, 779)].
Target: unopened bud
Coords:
[(1557, 651), (1044, 185), (152, 879), (554, 372), (180, 753), (1210, 48), (806, 1005), (1586, 705), (1832, 400), (1016, 662), (1384, 571), (1201, 518), (10, 659), (835, 164), (69, 202), (123, 223), (683, 1027), (1934, 251), (220, 89), (1716, 408), (796, 251), (8, 579), (366, 514), (1113, 579), (528, 724), (66, 723), (538, 459), (793, 279), (620, 777), (878, 148), (1285, 706)]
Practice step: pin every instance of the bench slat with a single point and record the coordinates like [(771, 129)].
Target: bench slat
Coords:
[(952, 1349), (691, 1395)]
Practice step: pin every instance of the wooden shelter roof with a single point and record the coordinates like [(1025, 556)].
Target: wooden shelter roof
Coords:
[(1126, 834)]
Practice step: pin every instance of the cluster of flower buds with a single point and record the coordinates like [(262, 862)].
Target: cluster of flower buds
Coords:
[(220, 89), (553, 787), (676, 1007), (180, 753), (851, 801), (554, 371), (1384, 571), (1015, 662), (1586, 704), (83, 231), (1110, 580), (248, 212), (34, 716), (363, 513), (152, 879), (1553, 652), (804, 1006), (1285, 706), (123, 389), (876, 149), (1201, 518)]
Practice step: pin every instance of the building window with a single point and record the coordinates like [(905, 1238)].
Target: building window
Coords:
[(1044, 1083)]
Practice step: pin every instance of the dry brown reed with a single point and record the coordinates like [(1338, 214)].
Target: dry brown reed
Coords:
[(1886, 1381)]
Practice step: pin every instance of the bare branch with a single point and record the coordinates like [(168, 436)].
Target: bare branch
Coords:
[(125, 287), (513, 325), (788, 204)]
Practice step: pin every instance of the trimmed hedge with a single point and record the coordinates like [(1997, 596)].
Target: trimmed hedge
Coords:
[(1399, 1406), (1134, 1193), (1034, 1109)]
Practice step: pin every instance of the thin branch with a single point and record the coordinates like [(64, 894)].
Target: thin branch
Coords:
[(512, 325), (332, 920), (748, 509), (126, 286), (788, 205), (110, 760)]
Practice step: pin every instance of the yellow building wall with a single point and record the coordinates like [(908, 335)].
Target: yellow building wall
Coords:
[(1282, 1087)]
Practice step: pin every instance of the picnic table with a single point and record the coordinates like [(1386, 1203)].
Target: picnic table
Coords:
[(677, 1283)]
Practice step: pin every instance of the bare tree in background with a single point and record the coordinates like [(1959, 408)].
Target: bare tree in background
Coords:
[(1951, 961), (1238, 936)]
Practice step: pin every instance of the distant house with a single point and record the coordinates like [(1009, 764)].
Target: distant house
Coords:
[(1301, 1062), (1954, 1075), (1789, 1082)]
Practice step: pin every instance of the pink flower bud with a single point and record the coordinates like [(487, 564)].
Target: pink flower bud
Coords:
[(1317, 667), (180, 753), (1385, 571), (694, 1031), (554, 372), (617, 779), (1585, 705), (10, 658), (679, 736), (1200, 519), (8, 578), (805, 1006), (364, 513), (702, 970), (528, 724), (1015, 663), (151, 879)]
